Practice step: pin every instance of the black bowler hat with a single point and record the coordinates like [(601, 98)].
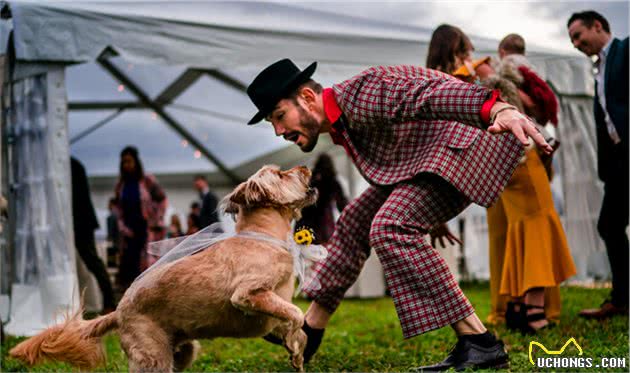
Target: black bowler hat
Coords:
[(273, 83)]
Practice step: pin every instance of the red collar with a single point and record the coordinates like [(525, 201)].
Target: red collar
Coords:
[(332, 110), (333, 113)]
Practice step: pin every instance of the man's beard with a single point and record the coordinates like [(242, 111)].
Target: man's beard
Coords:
[(310, 130)]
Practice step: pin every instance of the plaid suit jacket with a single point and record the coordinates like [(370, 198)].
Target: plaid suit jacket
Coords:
[(402, 121)]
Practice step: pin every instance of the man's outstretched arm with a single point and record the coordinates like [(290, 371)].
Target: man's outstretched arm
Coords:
[(410, 93)]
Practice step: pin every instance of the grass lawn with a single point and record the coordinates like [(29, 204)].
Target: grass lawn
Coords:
[(364, 336)]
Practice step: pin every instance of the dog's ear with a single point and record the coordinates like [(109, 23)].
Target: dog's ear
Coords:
[(246, 194), (228, 207), (227, 204)]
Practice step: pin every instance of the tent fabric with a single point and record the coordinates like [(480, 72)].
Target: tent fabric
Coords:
[(44, 269), (232, 33), (246, 34), (5, 29), (583, 191)]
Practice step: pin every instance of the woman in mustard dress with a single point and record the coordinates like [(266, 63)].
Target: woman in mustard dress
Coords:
[(529, 255)]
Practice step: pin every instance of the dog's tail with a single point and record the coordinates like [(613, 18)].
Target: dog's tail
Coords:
[(76, 341)]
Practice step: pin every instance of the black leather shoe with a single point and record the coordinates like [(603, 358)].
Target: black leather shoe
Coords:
[(467, 355)]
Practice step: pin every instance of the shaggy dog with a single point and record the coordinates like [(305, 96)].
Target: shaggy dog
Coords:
[(240, 287)]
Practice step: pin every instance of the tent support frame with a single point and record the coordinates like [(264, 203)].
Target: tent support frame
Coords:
[(159, 110)]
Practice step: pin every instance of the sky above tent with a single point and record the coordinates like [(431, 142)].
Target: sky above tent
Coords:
[(541, 23), (216, 114)]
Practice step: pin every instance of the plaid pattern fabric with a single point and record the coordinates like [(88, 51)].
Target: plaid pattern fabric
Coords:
[(391, 131), (394, 221), (348, 248)]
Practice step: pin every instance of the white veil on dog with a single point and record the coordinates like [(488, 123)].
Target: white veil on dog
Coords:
[(173, 249)]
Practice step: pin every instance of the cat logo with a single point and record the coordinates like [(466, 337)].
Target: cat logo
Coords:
[(548, 352)]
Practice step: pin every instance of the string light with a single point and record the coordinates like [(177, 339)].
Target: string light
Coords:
[(197, 154), (184, 143), (121, 87)]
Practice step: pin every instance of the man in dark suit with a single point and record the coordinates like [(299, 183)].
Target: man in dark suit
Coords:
[(85, 222), (590, 33), (208, 214)]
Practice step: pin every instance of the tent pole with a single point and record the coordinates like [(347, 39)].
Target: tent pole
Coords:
[(179, 85), (146, 100), (104, 105), (96, 126), (227, 80)]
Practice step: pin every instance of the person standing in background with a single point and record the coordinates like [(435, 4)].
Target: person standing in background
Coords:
[(590, 34), (208, 213), (141, 207), (319, 217), (192, 223), (175, 227), (539, 102), (195, 209), (528, 250), (113, 236), (85, 223)]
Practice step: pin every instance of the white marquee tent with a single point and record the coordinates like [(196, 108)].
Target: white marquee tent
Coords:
[(140, 65)]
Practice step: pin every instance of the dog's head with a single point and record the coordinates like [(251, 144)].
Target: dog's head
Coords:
[(272, 187)]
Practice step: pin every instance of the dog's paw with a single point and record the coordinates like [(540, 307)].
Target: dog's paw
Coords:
[(297, 362), (295, 343)]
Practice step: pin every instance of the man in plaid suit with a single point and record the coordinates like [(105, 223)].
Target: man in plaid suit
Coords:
[(403, 128)]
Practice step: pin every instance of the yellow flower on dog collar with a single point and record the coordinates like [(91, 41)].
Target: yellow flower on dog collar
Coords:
[(304, 236)]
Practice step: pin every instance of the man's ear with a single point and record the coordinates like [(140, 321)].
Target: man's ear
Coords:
[(308, 95)]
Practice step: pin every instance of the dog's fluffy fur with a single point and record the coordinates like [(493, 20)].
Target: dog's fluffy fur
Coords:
[(507, 79), (238, 288)]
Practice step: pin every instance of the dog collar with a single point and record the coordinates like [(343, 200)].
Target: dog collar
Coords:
[(302, 254)]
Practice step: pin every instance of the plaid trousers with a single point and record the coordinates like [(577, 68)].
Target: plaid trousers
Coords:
[(394, 221)]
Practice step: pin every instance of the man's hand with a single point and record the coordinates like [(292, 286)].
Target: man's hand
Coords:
[(520, 125), (441, 231)]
